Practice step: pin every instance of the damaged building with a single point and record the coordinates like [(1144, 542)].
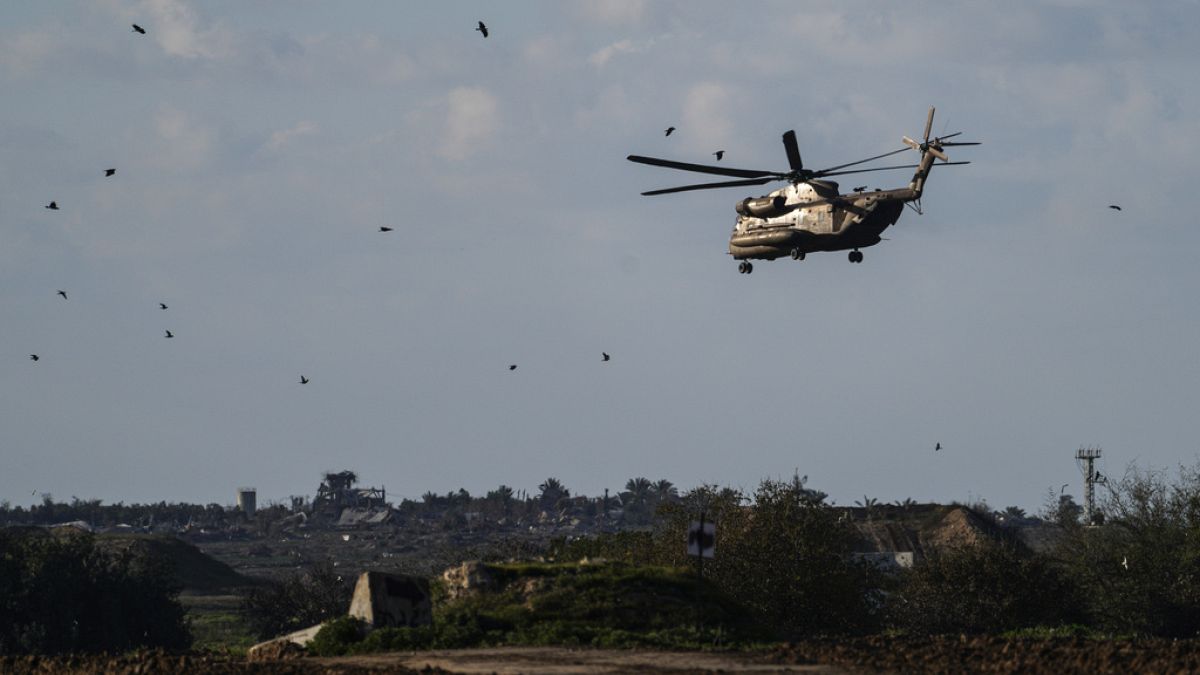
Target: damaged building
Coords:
[(338, 501)]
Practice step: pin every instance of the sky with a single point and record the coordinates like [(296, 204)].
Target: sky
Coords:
[(260, 146)]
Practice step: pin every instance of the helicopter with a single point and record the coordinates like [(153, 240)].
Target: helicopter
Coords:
[(809, 214)]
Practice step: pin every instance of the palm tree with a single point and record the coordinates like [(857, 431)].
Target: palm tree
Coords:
[(664, 490), (637, 491), (551, 492)]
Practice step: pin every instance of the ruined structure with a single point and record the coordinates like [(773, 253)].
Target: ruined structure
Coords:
[(337, 492)]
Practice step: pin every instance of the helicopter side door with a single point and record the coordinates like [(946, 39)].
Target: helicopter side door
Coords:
[(817, 219)]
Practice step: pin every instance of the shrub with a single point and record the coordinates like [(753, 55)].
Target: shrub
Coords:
[(60, 593), (298, 601), (338, 637), (985, 587), (1141, 571)]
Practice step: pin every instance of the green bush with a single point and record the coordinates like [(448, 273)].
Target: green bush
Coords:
[(60, 593), (1140, 572), (297, 602), (983, 588), (787, 558), (338, 637)]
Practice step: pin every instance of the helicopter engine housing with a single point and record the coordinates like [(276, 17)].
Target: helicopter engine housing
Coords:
[(762, 207)]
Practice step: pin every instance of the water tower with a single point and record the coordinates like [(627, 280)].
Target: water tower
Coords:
[(247, 498)]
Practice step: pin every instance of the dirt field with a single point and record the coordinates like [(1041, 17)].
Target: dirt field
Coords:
[(866, 655)]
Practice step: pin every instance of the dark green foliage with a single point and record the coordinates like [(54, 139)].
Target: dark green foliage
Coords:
[(338, 637), (787, 558), (60, 593), (984, 588), (298, 601), (610, 605), (1142, 569)]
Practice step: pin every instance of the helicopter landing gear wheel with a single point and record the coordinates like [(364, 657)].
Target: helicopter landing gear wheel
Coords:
[(745, 267), (856, 256), (797, 254)]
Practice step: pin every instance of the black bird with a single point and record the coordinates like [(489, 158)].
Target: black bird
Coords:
[(109, 172), (162, 305), (138, 29), (169, 334), (385, 228), (719, 154), (605, 355), (34, 357), (63, 294), (1114, 207), (482, 29), (513, 367), (669, 130), (937, 447), (303, 380), (53, 206)]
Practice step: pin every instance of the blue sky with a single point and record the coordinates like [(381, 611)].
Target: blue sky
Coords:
[(259, 147)]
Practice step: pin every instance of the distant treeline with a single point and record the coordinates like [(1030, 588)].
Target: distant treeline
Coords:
[(636, 505)]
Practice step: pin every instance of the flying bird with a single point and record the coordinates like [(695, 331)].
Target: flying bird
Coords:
[(719, 154), (1125, 562), (669, 130), (53, 206), (162, 305), (63, 294), (937, 447), (605, 355), (513, 367), (385, 228), (303, 380), (482, 29), (109, 172), (34, 357), (138, 29), (169, 334), (1114, 207)]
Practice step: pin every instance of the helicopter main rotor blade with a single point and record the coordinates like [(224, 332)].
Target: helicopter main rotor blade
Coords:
[(706, 186), (702, 168), (793, 151), (954, 143), (888, 168), (822, 172)]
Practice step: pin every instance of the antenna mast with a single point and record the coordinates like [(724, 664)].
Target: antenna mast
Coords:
[(1090, 478)]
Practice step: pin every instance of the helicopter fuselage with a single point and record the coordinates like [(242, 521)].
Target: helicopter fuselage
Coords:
[(812, 222)]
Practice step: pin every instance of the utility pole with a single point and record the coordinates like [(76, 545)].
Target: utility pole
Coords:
[(1090, 478)]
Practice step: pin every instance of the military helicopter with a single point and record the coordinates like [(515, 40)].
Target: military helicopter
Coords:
[(809, 214)]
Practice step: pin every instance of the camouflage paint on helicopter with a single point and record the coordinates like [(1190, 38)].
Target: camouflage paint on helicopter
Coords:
[(809, 214)]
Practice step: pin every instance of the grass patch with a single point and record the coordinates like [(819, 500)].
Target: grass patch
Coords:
[(217, 623)]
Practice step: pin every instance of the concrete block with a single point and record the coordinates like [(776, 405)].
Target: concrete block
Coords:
[(384, 600)]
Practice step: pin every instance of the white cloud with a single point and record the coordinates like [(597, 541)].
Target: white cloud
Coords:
[(184, 142), (604, 54), (22, 53), (284, 136), (706, 113), (179, 32), (613, 11), (471, 118)]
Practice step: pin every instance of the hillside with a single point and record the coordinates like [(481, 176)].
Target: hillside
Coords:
[(196, 572)]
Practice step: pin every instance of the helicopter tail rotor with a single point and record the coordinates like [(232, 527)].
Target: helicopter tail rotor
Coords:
[(926, 146)]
